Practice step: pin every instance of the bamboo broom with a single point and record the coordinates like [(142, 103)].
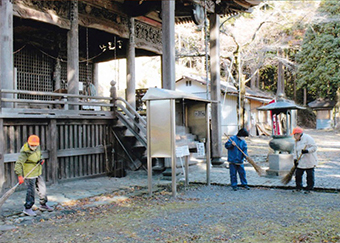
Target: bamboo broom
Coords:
[(257, 168), (287, 178), (12, 190)]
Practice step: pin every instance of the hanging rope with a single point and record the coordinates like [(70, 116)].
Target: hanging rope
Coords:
[(55, 58), (15, 52), (116, 61)]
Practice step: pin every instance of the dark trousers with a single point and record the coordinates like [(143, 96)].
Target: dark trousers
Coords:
[(38, 185), (310, 178), (234, 169)]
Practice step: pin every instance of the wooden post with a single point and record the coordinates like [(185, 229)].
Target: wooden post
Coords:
[(113, 94), (294, 85), (96, 78), (73, 55), (216, 135), (242, 100), (6, 49), (130, 66), (280, 76), (57, 75), (168, 40), (2, 152), (52, 147)]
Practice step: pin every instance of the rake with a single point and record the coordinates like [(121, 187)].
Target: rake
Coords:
[(12, 190), (257, 168)]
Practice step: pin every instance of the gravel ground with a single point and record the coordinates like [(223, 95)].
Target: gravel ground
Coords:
[(198, 214)]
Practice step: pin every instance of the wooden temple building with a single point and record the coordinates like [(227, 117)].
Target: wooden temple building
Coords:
[(49, 55)]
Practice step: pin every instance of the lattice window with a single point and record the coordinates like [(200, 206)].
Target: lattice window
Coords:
[(34, 72)]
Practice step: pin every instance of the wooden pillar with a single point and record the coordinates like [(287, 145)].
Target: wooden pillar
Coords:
[(130, 66), (216, 134), (2, 153), (52, 147), (6, 49), (242, 101), (73, 55), (113, 95), (280, 76), (294, 87), (253, 78), (168, 40), (96, 77), (57, 75)]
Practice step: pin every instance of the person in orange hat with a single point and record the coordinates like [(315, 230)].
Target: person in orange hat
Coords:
[(306, 147), (26, 166)]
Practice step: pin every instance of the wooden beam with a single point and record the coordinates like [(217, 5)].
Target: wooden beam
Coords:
[(21, 11), (60, 153)]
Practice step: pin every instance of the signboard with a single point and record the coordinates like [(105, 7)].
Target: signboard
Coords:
[(182, 151), (200, 149)]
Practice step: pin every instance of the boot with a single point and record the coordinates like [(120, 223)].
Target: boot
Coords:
[(45, 207), (29, 212)]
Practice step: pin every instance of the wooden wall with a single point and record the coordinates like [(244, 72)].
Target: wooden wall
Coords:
[(72, 148)]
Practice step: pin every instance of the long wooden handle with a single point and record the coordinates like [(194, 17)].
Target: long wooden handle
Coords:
[(298, 159), (32, 170)]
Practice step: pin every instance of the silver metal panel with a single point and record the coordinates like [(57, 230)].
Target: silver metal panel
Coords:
[(160, 128)]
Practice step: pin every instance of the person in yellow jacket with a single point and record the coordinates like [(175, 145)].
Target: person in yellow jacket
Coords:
[(30, 155), (306, 147)]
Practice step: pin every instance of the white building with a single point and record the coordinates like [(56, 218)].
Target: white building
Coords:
[(255, 120)]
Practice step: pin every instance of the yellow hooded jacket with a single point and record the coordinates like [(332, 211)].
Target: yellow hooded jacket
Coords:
[(27, 160)]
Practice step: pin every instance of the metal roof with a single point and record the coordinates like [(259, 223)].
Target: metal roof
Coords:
[(230, 89), (165, 94), (322, 104), (281, 104)]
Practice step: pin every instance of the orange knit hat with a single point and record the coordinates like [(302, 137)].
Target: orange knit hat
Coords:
[(33, 140), (297, 130)]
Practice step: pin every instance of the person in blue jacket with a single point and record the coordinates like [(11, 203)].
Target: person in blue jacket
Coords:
[(236, 158)]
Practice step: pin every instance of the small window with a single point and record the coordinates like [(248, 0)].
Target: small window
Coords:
[(188, 83)]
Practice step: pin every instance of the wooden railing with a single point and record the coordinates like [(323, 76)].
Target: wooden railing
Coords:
[(132, 120), (51, 103)]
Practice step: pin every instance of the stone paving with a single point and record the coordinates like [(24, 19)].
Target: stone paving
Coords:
[(327, 175)]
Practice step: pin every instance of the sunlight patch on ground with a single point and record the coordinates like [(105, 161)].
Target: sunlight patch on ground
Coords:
[(328, 149)]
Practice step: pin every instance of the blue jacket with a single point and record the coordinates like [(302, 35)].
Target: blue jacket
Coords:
[(235, 155)]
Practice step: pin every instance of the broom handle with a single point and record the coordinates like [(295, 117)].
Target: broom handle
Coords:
[(236, 145), (298, 159), (38, 163)]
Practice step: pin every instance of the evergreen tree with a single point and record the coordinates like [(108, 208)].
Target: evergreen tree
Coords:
[(319, 58)]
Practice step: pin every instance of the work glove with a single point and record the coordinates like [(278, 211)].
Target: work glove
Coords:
[(304, 151), (295, 162), (20, 179), (42, 161)]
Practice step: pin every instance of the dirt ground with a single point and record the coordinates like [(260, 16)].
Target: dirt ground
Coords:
[(199, 213)]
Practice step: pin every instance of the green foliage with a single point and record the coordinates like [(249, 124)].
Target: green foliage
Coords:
[(319, 58), (268, 78)]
